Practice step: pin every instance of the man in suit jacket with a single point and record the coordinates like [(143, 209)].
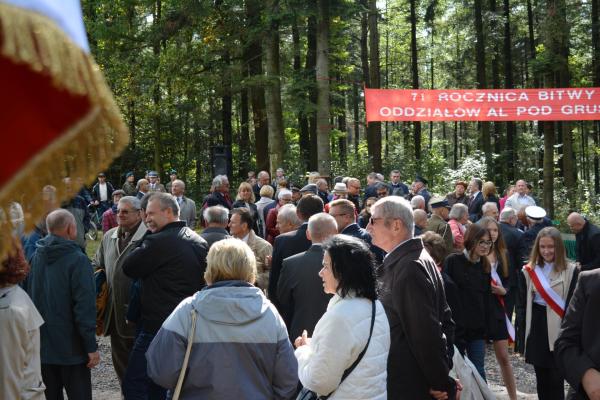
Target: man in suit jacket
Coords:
[(300, 289), (516, 256), (291, 243), (263, 179), (587, 236), (577, 348), (116, 244), (475, 199), (187, 206), (153, 184), (217, 219), (412, 294)]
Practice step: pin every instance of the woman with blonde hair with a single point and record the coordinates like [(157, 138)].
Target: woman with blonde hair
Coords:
[(549, 283), (245, 199), (240, 346), (489, 193), (501, 329)]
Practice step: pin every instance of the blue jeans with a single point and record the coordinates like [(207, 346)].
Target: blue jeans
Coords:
[(475, 350), (136, 384)]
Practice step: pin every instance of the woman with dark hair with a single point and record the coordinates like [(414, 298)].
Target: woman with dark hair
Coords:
[(499, 322), (470, 271), (549, 283), (365, 214), (354, 331), (20, 321)]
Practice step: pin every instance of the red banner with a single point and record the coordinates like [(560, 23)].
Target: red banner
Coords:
[(483, 105)]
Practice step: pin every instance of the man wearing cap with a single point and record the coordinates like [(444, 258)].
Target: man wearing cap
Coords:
[(420, 188), (172, 177), (102, 193), (296, 195), (129, 185), (520, 198), (536, 216), (154, 184), (397, 188), (587, 237), (437, 222), (109, 218), (458, 196), (311, 188)]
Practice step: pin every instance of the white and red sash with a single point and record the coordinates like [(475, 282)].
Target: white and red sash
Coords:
[(553, 299), (509, 326)]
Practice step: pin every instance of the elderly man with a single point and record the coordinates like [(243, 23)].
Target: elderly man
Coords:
[(116, 244), (413, 297), (418, 203), (240, 227), (154, 184), (520, 199), (170, 261), (283, 197), (287, 219), (323, 190), (293, 242), (142, 188), (353, 185), (187, 206), (217, 220), (420, 217), (300, 290), (109, 218), (437, 222), (397, 188), (420, 188), (263, 179), (220, 193), (61, 285), (587, 237), (489, 209), (475, 201), (458, 196)]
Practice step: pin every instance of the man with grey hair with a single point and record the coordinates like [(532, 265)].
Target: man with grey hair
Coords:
[(323, 190), (287, 219), (115, 246), (513, 239), (283, 197), (489, 209), (216, 219), (418, 203), (61, 285), (170, 261), (187, 206), (300, 290), (220, 193), (420, 220), (262, 179), (412, 294)]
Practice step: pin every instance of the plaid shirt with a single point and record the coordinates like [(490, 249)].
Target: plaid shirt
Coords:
[(109, 220)]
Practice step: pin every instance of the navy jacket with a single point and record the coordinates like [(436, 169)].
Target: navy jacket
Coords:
[(61, 285), (360, 233), (588, 243)]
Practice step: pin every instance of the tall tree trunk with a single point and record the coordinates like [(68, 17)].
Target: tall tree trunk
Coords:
[(536, 79), (253, 57), (356, 116), (226, 110), (244, 152), (273, 89), (323, 123), (482, 82), (300, 115), (548, 167), (156, 49), (374, 130), (415, 78), (311, 65), (511, 128), (596, 80), (364, 43), (498, 163)]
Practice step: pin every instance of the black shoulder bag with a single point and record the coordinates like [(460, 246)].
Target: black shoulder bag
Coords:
[(306, 394)]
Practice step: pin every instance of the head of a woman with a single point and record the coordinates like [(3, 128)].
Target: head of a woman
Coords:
[(489, 189), (435, 246), (549, 248), (478, 244), (348, 267), (230, 260), (245, 193), (368, 203), (14, 268), (498, 245)]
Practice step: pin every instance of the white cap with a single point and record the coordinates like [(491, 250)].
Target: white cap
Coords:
[(535, 212)]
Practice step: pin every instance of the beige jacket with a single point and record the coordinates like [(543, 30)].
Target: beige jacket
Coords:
[(108, 257), (261, 249), (560, 282), (20, 363)]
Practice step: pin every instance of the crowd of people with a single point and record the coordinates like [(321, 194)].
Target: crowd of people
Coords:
[(285, 291)]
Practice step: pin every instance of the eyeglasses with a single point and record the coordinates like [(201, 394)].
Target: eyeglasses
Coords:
[(485, 243), (372, 220)]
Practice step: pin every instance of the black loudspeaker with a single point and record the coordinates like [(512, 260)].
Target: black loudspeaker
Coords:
[(221, 160)]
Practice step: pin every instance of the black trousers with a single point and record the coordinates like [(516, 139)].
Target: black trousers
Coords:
[(75, 379), (550, 383)]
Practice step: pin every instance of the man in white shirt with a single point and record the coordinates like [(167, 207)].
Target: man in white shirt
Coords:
[(520, 199)]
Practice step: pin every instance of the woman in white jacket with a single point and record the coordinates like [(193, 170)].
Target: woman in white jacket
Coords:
[(343, 331)]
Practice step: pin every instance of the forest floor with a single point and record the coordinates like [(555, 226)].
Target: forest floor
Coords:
[(106, 386)]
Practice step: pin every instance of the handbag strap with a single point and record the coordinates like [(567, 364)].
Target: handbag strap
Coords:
[(360, 356), (187, 356)]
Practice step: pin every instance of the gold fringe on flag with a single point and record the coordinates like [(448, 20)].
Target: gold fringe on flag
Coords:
[(85, 148)]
